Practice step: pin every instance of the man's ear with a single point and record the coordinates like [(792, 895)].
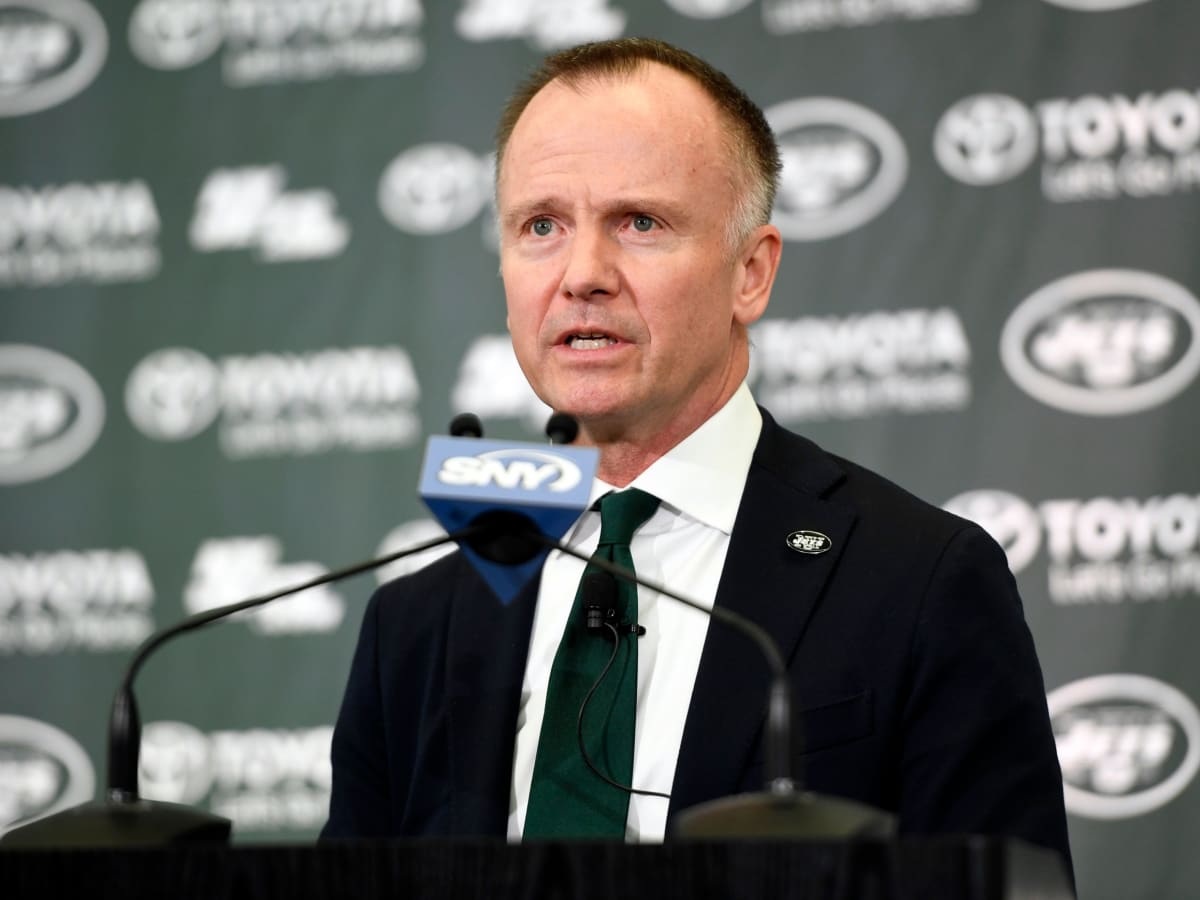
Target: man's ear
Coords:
[(756, 264)]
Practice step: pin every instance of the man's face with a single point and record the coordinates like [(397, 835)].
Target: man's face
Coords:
[(625, 299)]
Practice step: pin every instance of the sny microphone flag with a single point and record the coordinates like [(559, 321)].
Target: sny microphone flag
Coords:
[(463, 478)]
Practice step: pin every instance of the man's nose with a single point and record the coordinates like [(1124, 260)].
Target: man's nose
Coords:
[(591, 267)]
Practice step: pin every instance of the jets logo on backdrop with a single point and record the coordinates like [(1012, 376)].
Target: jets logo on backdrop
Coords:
[(273, 41), (546, 24), (50, 50), (1127, 744), (97, 600), (1100, 549), (51, 413), (904, 361), (98, 232), (248, 208), (262, 779), (1092, 147), (229, 570), (42, 770), (275, 404), (842, 165), (418, 531), (790, 16), (1007, 518), (1103, 343)]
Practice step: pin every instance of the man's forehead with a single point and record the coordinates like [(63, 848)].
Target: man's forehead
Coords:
[(651, 98), (657, 83)]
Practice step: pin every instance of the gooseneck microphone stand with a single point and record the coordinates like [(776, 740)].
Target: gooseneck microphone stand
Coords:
[(122, 817), (504, 536)]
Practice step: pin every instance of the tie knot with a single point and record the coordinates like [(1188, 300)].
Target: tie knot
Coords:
[(622, 513)]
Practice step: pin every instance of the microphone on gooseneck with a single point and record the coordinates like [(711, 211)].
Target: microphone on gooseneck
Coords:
[(562, 428), (515, 501), (123, 817), (466, 425)]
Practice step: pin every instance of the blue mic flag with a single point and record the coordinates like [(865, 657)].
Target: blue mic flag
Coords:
[(462, 478)]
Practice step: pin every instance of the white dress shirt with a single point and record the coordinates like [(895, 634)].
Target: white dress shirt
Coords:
[(683, 547)]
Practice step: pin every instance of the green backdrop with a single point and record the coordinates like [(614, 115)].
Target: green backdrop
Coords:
[(246, 265)]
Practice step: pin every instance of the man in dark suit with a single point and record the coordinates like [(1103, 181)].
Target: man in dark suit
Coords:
[(634, 192)]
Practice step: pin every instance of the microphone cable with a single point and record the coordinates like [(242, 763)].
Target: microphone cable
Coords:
[(597, 581)]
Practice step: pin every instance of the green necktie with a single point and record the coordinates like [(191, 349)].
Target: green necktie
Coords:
[(566, 798)]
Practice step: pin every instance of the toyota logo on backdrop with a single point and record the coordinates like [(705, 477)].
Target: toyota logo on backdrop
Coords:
[(986, 139), (842, 165), (168, 34), (435, 188), (1105, 342)]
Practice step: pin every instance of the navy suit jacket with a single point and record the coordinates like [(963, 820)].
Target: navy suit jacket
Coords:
[(910, 660)]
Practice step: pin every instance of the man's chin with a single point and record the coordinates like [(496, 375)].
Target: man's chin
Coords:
[(596, 418), (587, 403)]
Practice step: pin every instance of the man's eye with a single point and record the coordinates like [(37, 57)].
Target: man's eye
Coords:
[(643, 223), (542, 227)]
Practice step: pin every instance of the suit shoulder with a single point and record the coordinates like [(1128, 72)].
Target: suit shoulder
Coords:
[(878, 503), (883, 498)]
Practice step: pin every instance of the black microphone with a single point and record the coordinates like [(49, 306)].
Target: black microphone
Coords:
[(123, 818), (561, 428), (599, 595), (466, 424), (598, 591)]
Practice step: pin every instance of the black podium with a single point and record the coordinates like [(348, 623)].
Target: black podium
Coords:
[(963, 868)]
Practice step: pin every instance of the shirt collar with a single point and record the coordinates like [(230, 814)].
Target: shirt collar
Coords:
[(703, 475)]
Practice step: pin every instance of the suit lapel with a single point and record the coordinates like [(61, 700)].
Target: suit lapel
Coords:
[(487, 643), (774, 586)]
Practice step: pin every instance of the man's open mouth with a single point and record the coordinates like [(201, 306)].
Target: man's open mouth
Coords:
[(589, 341)]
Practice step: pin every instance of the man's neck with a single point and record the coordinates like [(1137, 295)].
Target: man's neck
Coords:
[(621, 463), (626, 454)]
